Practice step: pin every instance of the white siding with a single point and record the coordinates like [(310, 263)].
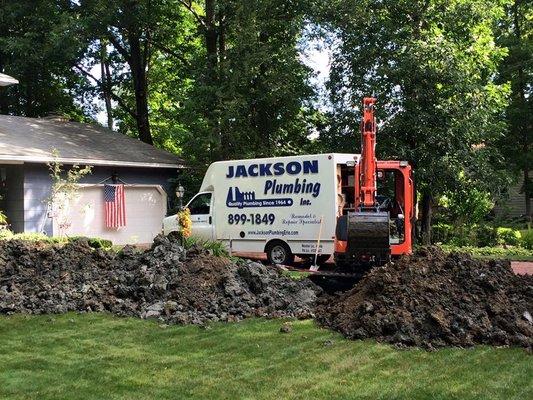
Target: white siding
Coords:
[(146, 207)]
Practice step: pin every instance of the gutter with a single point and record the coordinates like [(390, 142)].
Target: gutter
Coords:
[(80, 161)]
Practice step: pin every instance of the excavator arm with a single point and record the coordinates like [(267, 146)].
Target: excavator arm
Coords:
[(367, 229)]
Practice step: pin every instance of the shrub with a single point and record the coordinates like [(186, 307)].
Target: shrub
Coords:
[(526, 240), (442, 233), (38, 237), (497, 252), (3, 218), (94, 242), (485, 235), (508, 236), (5, 234), (215, 247)]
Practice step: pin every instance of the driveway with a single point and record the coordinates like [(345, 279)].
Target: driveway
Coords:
[(522, 267)]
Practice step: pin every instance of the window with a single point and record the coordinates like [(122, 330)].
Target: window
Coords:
[(201, 204)]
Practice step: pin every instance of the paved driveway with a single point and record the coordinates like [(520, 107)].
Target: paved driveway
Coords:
[(522, 267)]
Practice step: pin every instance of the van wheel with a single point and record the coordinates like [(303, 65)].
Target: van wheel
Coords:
[(279, 253)]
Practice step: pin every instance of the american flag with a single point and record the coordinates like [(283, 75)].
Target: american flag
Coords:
[(115, 208)]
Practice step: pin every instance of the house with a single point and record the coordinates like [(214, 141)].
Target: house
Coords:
[(27, 145)]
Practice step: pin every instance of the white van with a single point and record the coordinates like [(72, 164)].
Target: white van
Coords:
[(282, 206)]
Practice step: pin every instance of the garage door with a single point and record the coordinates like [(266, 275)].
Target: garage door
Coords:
[(146, 206)]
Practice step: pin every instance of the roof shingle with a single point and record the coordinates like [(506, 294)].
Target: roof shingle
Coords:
[(33, 139)]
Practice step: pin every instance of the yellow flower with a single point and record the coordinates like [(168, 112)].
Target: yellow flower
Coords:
[(184, 220)]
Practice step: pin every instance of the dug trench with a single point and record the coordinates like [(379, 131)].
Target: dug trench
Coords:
[(429, 299)]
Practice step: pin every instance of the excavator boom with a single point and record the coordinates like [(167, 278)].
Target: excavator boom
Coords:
[(367, 196)]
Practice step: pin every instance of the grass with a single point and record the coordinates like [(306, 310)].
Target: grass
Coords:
[(97, 356), (510, 253)]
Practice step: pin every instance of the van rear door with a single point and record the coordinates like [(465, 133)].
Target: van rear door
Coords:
[(201, 208)]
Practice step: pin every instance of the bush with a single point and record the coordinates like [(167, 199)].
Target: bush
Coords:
[(3, 218), (496, 252), (215, 247), (481, 235), (526, 241), (508, 236), (94, 242), (442, 233), (38, 237), (5, 234), (485, 236)]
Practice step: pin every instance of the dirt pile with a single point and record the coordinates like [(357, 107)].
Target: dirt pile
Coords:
[(432, 299), (167, 282)]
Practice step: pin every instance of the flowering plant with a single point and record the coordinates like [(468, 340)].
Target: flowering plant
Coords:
[(184, 220)]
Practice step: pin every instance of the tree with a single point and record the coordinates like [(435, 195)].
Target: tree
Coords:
[(250, 90), (431, 65), (65, 190), (516, 34), (39, 46), (127, 35)]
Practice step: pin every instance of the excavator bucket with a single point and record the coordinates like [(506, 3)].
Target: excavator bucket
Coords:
[(368, 235)]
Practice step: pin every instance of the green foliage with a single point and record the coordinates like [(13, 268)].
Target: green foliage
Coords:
[(36, 237), (217, 248), (249, 91), (442, 232), (5, 234), (38, 46), (508, 236), (480, 235), (515, 31), (486, 235), (3, 218), (431, 65), (65, 190), (94, 242), (527, 239), (513, 253), (466, 205)]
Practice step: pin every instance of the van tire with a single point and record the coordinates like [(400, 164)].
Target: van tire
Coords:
[(279, 253)]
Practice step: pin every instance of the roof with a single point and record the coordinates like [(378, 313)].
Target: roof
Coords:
[(33, 139)]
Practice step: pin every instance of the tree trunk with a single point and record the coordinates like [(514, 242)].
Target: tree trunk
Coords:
[(211, 44), (106, 84), (527, 195), (427, 204), (138, 73), (211, 39)]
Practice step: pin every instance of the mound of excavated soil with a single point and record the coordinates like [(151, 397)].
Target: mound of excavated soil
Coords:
[(431, 299), (164, 282)]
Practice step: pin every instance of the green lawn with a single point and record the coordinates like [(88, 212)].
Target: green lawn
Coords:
[(98, 356), (511, 253)]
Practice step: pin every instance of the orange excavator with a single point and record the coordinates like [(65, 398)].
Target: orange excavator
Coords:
[(381, 224)]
